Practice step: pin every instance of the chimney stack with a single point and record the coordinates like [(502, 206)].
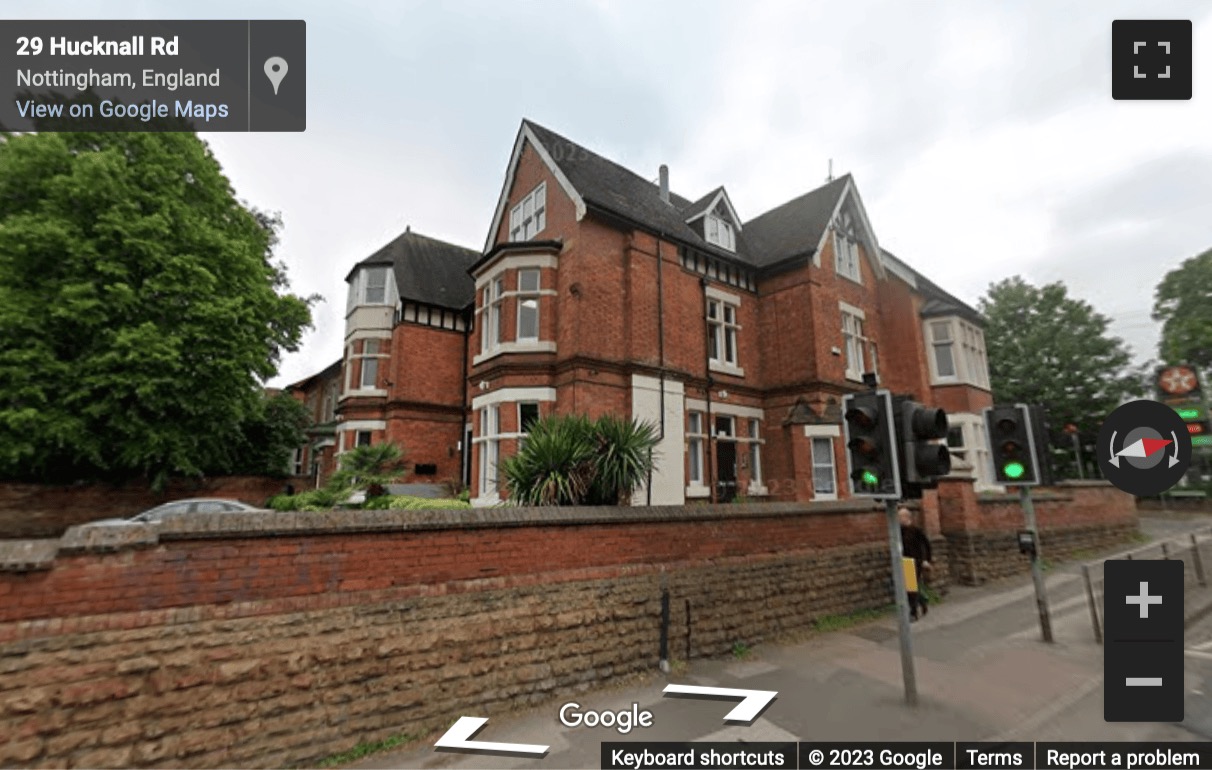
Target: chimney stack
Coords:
[(664, 183)]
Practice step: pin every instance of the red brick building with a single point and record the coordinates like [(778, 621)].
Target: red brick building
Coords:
[(599, 291)]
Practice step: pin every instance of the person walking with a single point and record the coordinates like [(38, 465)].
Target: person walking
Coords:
[(915, 545)]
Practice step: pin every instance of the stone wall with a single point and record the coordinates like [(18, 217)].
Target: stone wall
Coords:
[(43, 510), (1075, 520), (278, 639), (285, 638)]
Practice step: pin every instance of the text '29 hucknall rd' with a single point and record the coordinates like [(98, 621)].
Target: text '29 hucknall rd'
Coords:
[(155, 76)]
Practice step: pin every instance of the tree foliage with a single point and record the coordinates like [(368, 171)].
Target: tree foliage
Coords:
[(140, 307), (572, 460), (1048, 348), (1183, 304), (268, 436)]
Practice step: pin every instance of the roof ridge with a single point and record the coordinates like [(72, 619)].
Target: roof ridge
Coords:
[(603, 158), (800, 197)]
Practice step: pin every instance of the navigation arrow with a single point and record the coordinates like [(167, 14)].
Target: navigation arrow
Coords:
[(753, 702), (458, 738)]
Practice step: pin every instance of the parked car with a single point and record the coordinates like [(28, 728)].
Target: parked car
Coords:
[(181, 507)]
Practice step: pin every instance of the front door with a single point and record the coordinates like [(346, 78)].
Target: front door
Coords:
[(725, 471)]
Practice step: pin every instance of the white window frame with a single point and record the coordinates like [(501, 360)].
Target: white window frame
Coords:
[(812, 444), (529, 217), (721, 331), (846, 255), (522, 432), (383, 342), (525, 295), (969, 357), (696, 443), (720, 232), (491, 297), (369, 357), (490, 450), (369, 272), (358, 438), (855, 343), (757, 482), (975, 449)]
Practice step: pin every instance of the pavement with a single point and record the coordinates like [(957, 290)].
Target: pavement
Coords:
[(983, 674)]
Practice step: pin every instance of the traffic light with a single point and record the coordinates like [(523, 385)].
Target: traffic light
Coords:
[(1041, 439), (1011, 445), (922, 461), (871, 445)]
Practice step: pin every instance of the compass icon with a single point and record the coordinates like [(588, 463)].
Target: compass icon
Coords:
[(1144, 448)]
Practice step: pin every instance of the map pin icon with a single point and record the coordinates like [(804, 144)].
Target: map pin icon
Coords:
[(275, 70)]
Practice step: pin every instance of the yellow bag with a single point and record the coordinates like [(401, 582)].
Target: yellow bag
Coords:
[(910, 568)]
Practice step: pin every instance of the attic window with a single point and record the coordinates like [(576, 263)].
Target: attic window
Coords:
[(845, 248), (720, 232), (529, 217)]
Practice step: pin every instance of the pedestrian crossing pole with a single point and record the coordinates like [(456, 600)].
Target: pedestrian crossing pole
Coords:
[(908, 672), (1037, 572)]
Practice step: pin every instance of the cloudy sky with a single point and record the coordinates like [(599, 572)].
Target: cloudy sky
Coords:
[(982, 135)]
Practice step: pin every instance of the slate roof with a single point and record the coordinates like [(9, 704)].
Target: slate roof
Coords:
[(938, 302), (428, 270), (788, 231), (699, 206), (607, 186), (796, 227), (332, 370)]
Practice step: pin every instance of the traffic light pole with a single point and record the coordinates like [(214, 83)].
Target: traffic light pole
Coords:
[(902, 603), (1037, 572)]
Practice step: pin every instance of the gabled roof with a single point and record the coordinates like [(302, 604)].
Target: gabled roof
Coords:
[(608, 187), (795, 228), (710, 202), (427, 270), (332, 370)]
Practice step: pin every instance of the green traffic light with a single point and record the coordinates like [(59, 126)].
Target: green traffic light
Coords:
[(870, 478), (1014, 470)]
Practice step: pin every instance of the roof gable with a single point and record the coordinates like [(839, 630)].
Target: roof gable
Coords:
[(527, 135), (713, 201)]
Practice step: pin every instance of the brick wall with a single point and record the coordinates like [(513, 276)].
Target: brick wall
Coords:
[(40, 510), (1075, 519), (293, 636)]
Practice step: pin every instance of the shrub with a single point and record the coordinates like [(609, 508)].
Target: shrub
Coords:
[(572, 460), (410, 503), (311, 500)]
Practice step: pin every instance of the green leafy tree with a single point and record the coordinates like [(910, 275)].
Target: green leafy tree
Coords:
[(1183, 304), (268, 437), (140, 307), (370, 468), (1048, 348), (572, 460)]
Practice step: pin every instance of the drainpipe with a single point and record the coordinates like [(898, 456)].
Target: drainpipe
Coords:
[(660, 348), (710, 469), (465, 456)]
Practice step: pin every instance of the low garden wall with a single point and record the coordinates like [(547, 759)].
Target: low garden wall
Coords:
[(278, 639)]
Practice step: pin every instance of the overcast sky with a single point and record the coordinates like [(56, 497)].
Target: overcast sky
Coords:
[(982, 135)]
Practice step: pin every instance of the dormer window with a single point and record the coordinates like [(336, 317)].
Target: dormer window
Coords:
[(528, 218), (719, 232)]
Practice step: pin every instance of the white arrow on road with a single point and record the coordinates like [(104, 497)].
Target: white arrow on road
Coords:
[(459, 737), (752, 703)]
